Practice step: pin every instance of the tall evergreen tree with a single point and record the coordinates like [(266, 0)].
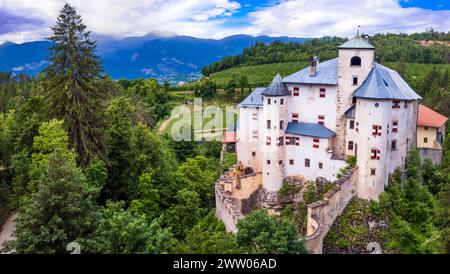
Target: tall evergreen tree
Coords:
[(73, 91)]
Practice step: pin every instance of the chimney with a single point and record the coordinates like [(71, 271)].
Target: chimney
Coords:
[(313, 66)]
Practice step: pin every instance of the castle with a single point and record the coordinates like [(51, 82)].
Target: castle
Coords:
[(307, 124)]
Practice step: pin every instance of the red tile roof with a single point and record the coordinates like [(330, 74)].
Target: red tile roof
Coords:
[(229, 137), (430, 118)]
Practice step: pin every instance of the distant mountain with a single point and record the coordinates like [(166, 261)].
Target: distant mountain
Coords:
[(162, 56)]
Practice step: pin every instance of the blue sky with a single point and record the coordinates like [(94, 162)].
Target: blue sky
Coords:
[(23, 20)]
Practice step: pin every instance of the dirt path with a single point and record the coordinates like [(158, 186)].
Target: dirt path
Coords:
[(166, 122), (7, 230)]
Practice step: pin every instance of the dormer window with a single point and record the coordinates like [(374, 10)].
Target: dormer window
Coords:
[(355, 61)]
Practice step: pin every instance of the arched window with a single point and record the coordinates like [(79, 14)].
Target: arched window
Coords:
[(355, 61)]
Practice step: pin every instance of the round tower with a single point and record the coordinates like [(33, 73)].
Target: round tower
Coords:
[(275, 98)]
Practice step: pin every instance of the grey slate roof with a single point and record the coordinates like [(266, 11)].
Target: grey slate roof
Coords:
[(326, 74), (254, 99), (350, 112), (356, 42), (385, 83), (309, 129), (276, 88)]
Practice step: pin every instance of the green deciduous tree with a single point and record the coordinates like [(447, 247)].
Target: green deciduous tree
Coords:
[(260, 233), (122, 231), (185, 213), (208, 236), (148, 199), (196, 174)]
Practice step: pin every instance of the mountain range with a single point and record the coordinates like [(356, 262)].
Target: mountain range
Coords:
[(172, 58)]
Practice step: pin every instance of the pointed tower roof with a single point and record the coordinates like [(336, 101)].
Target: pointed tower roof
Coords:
[(276, 88), (357, 42), (385, 83)]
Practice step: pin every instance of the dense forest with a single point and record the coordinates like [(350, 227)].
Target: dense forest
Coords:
[(81, 161), (389, 48)]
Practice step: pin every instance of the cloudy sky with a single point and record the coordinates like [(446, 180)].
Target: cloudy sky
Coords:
[(29, 20)]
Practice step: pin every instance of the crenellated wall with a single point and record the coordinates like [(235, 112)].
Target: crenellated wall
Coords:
[(236, 194), (322, 214)]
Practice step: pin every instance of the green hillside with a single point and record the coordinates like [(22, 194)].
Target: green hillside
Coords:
[(262, 75)]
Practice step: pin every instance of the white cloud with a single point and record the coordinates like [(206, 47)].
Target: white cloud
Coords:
[(206, 18), (126, 17), (306, 18)]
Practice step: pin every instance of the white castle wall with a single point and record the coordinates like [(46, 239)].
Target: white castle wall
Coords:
[(309, 105), (248, 141), (322, 155)]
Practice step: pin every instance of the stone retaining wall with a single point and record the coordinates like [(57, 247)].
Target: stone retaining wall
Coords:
[(323, 213)]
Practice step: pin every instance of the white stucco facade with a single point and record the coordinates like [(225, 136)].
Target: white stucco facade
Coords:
[(349, 106)]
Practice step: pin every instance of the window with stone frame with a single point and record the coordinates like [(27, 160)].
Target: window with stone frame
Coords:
[(375, 154), (322, 93), (316, 142), (376, 130), (394, 126)]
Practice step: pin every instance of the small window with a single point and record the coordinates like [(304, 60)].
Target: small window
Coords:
[(291, 162), (350, 145), (316, 142), (280, 162), (320, 165), (376, 130), (281, 124), (253, 153), (355, 61), (268, 101), (280, 141), (394, 126), (307, 162), (269, 124), (396, 104), (268, 141), (355, 80), (295, 117), (296, 91), (322, 93), (406, 104), (352, 124), (321, 120), (281, 101), (394, 145), (295, 141), (425, 140), (426, 128), (375, 154), (373, 171), (268, 162)]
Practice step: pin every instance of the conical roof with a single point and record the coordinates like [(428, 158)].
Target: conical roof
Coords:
[(357, 42), (276, 88)]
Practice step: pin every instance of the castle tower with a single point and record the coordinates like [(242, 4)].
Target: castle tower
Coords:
[(385, 122), (275, 100), (356, 59)]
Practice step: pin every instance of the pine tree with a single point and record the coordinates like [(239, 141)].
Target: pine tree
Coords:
[(73, 92)]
